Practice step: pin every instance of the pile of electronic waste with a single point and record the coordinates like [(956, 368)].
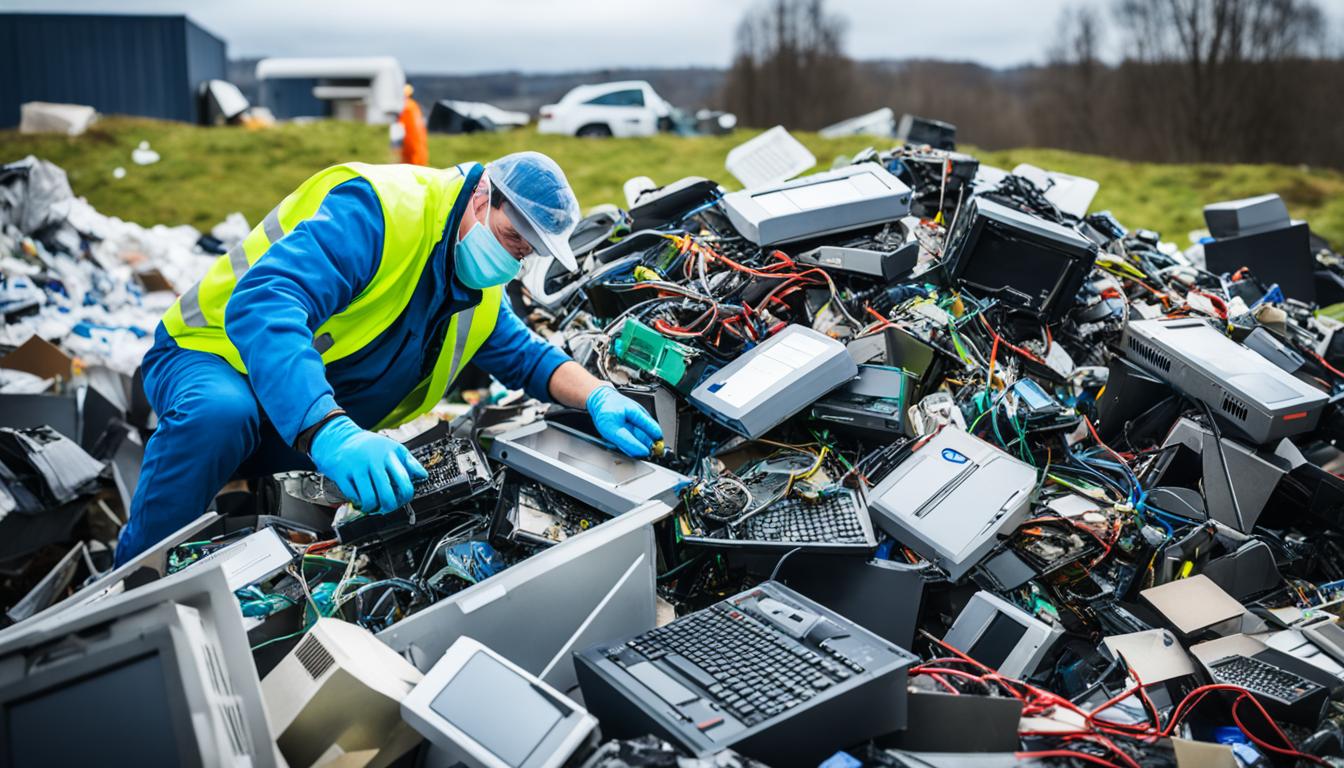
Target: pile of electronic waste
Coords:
[(954, 472)]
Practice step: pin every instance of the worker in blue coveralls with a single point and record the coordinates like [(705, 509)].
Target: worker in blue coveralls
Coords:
[(351, 308)]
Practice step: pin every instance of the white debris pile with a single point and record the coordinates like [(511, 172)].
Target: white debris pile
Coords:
[(93, 284)]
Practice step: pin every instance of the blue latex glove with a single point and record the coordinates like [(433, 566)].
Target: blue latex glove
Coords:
[(374, 472), (623, 422)]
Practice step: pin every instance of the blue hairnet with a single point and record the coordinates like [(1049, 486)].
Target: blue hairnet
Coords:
[(537, 189)]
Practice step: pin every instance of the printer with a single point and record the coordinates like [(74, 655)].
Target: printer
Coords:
[(951, 499)]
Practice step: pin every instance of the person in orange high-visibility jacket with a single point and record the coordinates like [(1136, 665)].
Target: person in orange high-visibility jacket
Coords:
[(415, 141)]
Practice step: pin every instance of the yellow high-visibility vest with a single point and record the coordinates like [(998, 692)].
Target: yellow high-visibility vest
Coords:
[(416, 204)]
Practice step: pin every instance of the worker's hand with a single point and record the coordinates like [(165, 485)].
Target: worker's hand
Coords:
[(622, 421), (374, 472)]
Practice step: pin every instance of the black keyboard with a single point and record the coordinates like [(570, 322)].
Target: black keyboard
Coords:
[(1263, 679), (738, 672), (751, 669), (835, 519)]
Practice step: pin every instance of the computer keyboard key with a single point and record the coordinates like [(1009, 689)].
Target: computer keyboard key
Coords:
[(686, 667)]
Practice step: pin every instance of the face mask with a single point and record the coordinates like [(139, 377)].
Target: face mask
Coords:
[(481, 262)]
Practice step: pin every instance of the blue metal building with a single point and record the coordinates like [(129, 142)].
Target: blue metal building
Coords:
[(149, 66)]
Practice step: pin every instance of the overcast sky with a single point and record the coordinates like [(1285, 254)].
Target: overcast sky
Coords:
[(447, 36)]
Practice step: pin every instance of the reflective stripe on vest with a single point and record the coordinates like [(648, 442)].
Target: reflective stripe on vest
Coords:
[(237, 256), (417, 204)]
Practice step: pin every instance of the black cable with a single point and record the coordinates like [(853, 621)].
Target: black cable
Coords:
[(1222, 460), (779, 564)]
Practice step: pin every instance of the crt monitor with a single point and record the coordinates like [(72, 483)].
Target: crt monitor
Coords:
[(1025, 261), (160, 676)]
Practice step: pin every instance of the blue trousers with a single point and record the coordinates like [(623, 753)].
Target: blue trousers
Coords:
[(210, 426)]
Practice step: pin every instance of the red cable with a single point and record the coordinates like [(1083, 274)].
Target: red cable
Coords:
[(1328, 366), (1024, 353), (1066, 753)]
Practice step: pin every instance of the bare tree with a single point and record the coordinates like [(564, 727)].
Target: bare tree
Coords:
[(1216, 65), (1070, 112), (790, 67)]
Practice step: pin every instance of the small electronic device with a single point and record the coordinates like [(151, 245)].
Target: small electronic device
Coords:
[(485, 711), (774, 380), (851, 197), (1247, 216), (1285, 693), (339, 691), (578, 466), (1026, 262), (456, 470), (914, 129), (1039, 410), (665, 205), (883, 255), (594, 585), (251, 558), (821, 681), (864, 416), (939, 178), (869, 406), (639, 346), (952, 498), (1244, 390), (157, 676), (1002, 636)]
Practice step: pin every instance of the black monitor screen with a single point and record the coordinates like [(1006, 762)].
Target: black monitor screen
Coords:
[(1280, 256), (998, 640), (497, 708), (118, 716), (998, 260)]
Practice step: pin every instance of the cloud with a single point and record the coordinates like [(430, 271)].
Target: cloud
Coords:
[(542, 35)]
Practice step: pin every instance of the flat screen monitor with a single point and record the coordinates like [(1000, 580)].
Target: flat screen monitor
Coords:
[(513, 738), (481, 710), (1280, 256)]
